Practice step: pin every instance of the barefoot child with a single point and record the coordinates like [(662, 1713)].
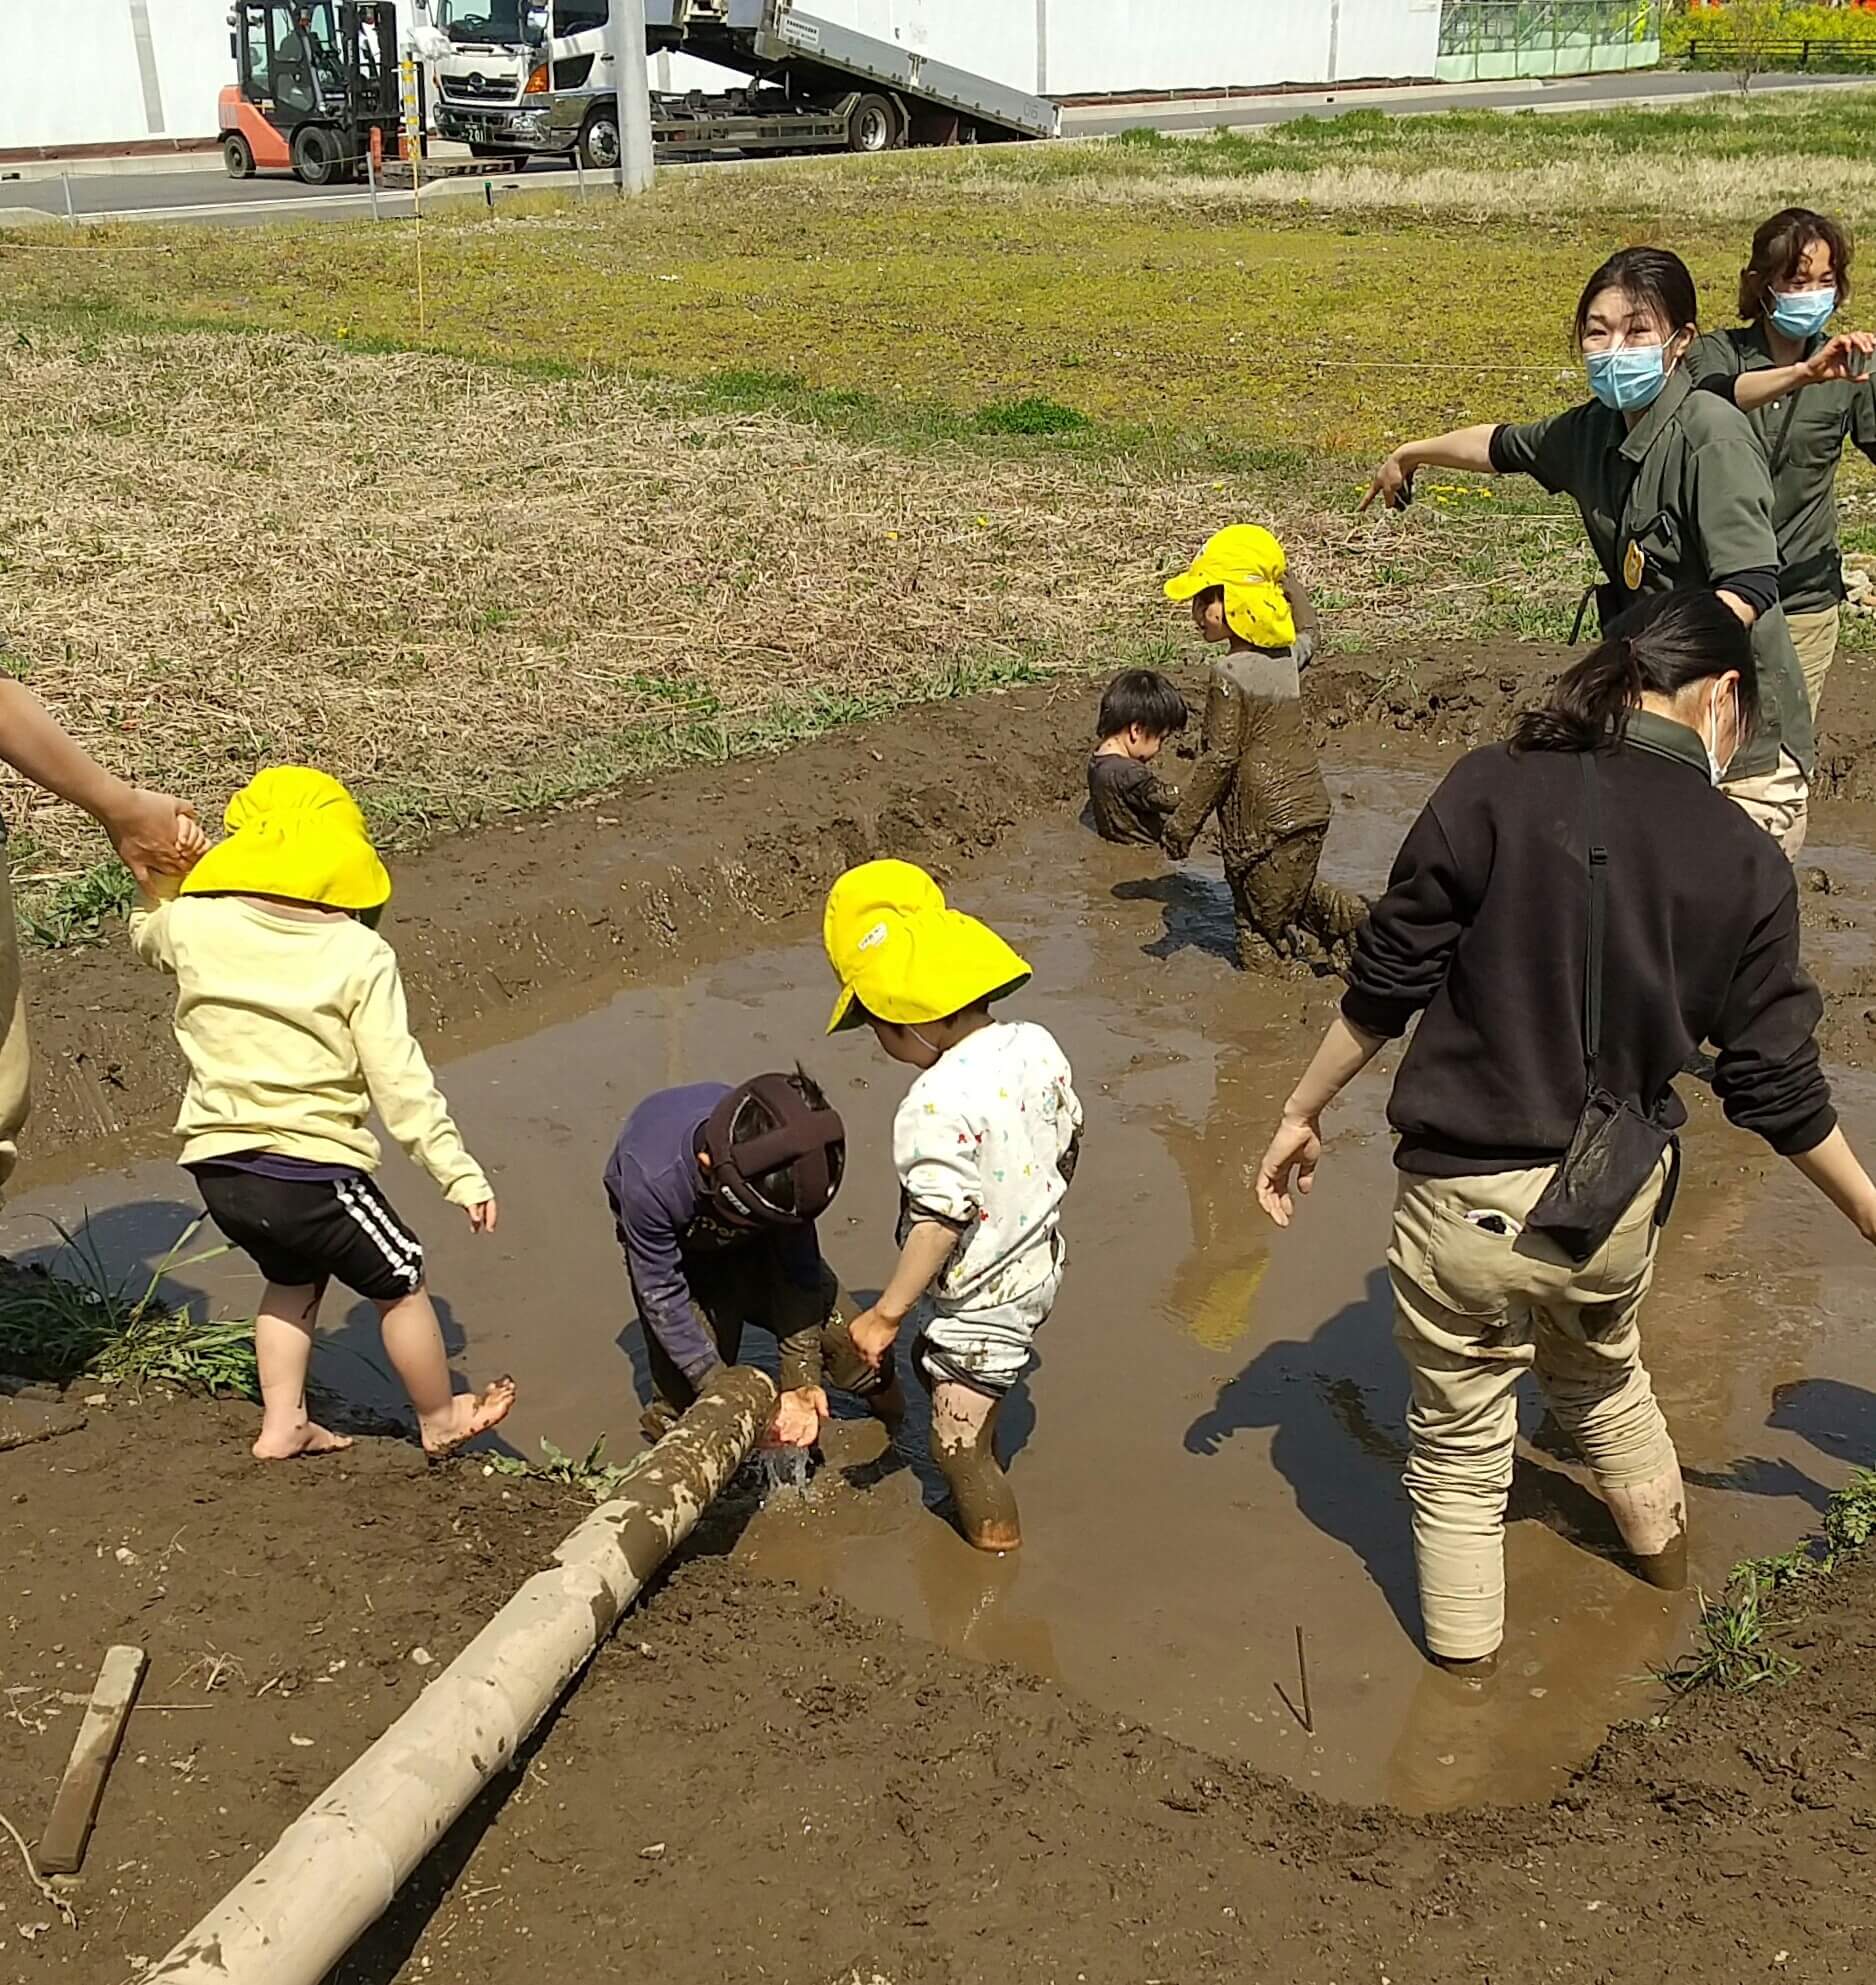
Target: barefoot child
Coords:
[(1257, 768), (984, 1145), (290, 1011), (1140, 710)]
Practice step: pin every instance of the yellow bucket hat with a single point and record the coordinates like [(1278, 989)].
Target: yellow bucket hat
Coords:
[(297, 833), (1248, 563), (902, 955)]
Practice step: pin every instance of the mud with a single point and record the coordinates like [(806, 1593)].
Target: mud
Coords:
[(1207, 1459)]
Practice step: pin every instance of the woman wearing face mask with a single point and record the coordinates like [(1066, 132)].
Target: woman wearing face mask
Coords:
[(1485, 934), (1674, 492), (1807, 394)]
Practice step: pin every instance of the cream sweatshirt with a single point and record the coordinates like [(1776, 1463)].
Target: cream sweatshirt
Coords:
[(293, 1029)]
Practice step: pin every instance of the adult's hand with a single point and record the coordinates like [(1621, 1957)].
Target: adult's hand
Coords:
[(798, 1416), (1846, 356), (154, 833), (1393, 483), (1293, 1155)]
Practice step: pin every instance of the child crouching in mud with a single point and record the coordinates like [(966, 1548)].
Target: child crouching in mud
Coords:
[(290, 1011), (1256, 768), (984, 1143)]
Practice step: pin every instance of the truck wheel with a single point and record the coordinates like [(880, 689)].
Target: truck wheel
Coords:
[(872, 126), (316, 154), (599, 142), (238, 156)]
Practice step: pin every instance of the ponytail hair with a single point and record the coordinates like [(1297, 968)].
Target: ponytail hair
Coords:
[(1658, 646)]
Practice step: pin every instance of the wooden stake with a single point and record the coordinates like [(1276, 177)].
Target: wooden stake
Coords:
[(1302, 1676), (62, 1845)]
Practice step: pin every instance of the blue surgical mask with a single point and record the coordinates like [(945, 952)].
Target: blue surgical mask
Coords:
[(1802, 313), (1628, 377)]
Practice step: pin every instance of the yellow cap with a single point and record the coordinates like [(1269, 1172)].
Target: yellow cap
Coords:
[(1249, 564), (297, 833), (900, 953)]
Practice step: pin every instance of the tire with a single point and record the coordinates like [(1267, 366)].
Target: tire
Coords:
[(599, 142), (238, 156), (872, 126), (316, 154)]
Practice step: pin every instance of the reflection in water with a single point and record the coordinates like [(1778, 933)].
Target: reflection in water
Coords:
[(1214, 1288)]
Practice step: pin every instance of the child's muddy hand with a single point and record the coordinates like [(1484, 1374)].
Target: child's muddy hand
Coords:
[(873, 1337), (798, 1416), (482, 1216), (1294, 1154)]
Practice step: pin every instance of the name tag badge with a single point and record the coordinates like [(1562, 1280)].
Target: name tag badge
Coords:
[(1634, 565)]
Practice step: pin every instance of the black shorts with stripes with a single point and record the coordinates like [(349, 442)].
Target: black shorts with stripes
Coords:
[(311, 1231)]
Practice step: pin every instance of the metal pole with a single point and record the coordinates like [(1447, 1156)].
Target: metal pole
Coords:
[(65, 180), (371, 174), (625, 41)]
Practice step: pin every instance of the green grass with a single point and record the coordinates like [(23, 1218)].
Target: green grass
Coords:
[(1734, 1648), (77, 1320), (82, 910)]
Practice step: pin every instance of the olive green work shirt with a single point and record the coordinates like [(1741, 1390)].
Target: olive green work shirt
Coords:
[(1683, 499), (1803, 435)]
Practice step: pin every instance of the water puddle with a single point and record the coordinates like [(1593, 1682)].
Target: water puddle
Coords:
[(1209, 1456)]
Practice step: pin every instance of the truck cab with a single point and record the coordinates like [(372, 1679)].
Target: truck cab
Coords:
[(495, 65)]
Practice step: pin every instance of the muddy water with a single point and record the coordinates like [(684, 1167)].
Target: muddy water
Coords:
[(1208, 1457)]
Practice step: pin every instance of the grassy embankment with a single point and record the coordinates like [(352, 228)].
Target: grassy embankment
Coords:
[(778, 447)]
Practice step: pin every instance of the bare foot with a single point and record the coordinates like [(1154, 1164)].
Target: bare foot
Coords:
[(470, 1413), (309, 1437)]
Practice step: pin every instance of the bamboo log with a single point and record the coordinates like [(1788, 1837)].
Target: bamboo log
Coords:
[(334, 1871)]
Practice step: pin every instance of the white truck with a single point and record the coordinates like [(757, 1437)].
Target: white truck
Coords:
[(520, 78)]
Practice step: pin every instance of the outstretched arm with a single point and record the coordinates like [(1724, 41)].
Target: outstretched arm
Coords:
[(1463, 448), (1297, 1146), (1846, 356)]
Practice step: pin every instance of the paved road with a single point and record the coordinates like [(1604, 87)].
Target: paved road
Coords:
[(209, 195)]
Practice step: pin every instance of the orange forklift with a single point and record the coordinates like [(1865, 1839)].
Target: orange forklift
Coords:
[(317, 78)]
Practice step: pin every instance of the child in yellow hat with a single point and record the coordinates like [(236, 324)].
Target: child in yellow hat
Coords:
[(984, 1144), (290, 1012), (1257, 768)]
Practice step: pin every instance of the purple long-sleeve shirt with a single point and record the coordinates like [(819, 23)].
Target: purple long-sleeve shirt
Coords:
[(657, 1191)]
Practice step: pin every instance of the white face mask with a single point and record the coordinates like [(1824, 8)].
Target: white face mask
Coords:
[(1715, 770)]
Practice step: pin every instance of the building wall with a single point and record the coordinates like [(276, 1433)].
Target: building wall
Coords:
[(102, 72)]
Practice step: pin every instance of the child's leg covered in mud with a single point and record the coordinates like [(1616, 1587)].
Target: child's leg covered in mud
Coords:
[(413, 1341), (1269, 891), (963, 1443)]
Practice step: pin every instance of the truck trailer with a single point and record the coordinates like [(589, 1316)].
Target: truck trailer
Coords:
[(525, 78)]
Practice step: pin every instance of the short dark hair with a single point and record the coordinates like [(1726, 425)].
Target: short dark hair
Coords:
[(1662, 643), (1777, 249), (1143, 697), (1656, 275)]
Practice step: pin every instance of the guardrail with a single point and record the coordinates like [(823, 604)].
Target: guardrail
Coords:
[(1795, 51)]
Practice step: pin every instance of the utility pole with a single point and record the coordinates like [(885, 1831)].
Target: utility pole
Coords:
[(625, 49)]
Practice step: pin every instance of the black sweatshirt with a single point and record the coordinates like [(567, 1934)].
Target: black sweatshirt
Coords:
[(1483, 932)]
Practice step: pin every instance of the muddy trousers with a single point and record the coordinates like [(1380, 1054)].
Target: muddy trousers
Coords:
[(1275, 894), (736, 1287), (1779, 801), (1814, 635), (1475, 1309)]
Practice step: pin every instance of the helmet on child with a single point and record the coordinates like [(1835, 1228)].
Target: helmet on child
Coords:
[(902, 955), (776, 1149), (1248, 564), (294, 832)]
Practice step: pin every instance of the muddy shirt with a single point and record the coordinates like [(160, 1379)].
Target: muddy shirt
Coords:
[(1128, 800), (662, 1214), (1256, 766), (1683, 499), (1803, 435)]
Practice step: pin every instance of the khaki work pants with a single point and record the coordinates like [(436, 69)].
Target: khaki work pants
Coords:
[(16, 1064), (1474, 1310), (1814, 635), (1779, 801)]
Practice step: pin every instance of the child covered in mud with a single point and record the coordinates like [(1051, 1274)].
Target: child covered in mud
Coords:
[(1256, 767), (1127, 800), (290, 1013), (715, 1192), (984, 1143)]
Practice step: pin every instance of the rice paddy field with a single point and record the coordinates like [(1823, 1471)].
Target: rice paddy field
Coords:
[(783, 445)]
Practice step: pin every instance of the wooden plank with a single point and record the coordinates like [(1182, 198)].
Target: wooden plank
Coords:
[(62, 1845)]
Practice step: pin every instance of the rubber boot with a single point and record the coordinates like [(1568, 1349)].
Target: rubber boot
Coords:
[(1652, 1517), (1474, 1670)]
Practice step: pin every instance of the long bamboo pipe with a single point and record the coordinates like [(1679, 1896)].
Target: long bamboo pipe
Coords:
[(333, 1873)]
